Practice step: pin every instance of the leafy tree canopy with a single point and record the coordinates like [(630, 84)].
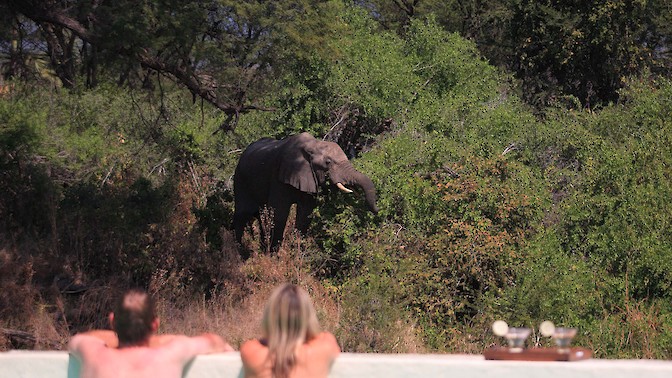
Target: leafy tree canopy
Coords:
[(584, 49), (225, 52)]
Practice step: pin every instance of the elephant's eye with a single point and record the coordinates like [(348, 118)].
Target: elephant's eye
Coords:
[(327, 162)]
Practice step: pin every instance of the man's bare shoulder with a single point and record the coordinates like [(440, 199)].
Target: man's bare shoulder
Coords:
[(83, 343)]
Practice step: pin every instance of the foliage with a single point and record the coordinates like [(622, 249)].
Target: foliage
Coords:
[(28, 193), (555, 48), (463, 223), (552, 285), (482, 223), (216, 213), (375, 315), (372, 70), (620, 212), (227, 53), (485, 211), (348, 97), (604, 255), (455, 81)]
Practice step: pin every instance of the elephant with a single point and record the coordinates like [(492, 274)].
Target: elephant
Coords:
[(278, 173)]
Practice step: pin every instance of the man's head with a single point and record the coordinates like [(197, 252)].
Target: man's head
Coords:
[(134, 318)]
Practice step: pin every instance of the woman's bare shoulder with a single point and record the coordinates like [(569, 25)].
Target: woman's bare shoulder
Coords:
[(325, 337), (253, 349), (325, 342), (254, 356)]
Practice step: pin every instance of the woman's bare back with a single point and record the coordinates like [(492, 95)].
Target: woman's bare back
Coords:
[(313, 359)]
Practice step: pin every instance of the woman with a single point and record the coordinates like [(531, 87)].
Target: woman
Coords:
[(292, 346)]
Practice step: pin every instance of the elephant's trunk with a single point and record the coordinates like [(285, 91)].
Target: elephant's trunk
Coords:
[(369, 192), (350, 176)]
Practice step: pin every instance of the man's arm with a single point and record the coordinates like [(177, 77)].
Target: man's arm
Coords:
[(217, 344), (186, 348)]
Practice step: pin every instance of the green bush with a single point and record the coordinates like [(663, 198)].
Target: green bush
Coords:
[(28, 193), (375, 315), (603, 262), (618, 217)]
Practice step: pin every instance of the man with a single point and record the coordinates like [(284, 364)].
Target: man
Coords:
[(132, 349)]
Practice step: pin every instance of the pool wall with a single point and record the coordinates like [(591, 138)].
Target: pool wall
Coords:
[(34, 364)]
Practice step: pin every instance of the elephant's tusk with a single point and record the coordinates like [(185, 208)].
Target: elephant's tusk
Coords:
[(343, 188)]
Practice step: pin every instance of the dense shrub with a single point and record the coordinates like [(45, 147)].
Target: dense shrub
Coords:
[(602, 264), (375, 315)]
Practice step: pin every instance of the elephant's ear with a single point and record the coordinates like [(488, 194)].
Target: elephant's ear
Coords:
[(296, 171)]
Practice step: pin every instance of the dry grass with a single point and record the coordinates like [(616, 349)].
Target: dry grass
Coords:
[(198, 290), (235, 310), (26, 318)]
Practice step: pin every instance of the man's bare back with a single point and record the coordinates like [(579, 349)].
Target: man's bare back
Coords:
[(314, 358), (133, 349), (166, 357)]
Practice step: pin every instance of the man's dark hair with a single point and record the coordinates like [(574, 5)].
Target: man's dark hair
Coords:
[(133, 317)]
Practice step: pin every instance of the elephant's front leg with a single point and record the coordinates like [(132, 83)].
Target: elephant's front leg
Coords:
[(304, 208), (279, 207)]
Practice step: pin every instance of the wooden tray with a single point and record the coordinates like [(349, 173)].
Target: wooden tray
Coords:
[(537, 354)]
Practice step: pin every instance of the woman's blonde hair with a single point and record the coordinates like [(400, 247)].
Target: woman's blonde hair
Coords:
[(289, 322)]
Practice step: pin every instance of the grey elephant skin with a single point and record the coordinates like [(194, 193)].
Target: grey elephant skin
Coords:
[(278, 173)]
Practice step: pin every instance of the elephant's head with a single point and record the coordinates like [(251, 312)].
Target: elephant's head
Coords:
[(307, 162)]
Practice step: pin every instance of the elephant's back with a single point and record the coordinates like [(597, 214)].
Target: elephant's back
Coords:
[(262, 147)]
